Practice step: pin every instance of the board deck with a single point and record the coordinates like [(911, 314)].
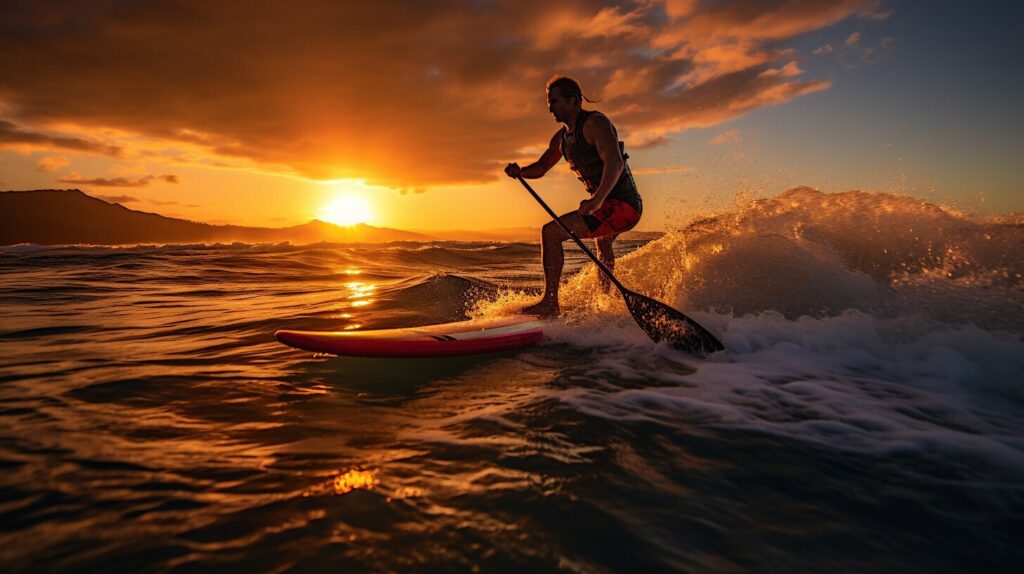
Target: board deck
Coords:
[(448, 339)]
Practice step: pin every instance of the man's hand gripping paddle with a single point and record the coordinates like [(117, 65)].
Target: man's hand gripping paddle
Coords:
[(658, 320)]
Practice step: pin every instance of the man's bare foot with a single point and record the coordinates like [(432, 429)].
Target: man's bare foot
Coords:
[(543, 309)]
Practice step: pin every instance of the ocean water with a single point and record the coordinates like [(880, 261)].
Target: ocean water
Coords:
[(868, 415)]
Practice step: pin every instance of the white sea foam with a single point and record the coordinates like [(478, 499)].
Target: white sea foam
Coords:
[(861, 321), (851, 381)]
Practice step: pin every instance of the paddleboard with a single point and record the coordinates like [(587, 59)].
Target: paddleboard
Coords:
[(462, 338)]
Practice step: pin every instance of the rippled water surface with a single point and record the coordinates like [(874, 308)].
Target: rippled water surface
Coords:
[(867, 416)]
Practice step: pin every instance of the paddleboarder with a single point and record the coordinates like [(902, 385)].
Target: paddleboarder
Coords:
[(590, 144)]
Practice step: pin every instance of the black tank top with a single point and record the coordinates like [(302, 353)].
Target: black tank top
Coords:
[(588, 165)]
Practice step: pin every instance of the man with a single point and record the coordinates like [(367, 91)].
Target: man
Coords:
[(589, 143)]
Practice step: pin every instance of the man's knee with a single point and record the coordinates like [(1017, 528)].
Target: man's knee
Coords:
[(552, 233)]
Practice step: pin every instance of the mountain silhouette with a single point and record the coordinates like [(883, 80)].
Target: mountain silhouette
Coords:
[(68, 216)]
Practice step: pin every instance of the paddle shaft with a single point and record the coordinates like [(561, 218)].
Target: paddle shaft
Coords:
[(607, 272)]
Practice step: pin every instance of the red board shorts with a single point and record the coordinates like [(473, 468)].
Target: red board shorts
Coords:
[(614, 216)]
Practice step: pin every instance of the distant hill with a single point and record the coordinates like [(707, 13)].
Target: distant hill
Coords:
[(68, 216)]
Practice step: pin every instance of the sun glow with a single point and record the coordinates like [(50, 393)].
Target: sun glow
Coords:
[(347, 210)]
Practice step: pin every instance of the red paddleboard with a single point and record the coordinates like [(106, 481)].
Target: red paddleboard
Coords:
[(462, 338)]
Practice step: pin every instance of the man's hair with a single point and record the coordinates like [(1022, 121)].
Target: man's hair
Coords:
[(568, 87)]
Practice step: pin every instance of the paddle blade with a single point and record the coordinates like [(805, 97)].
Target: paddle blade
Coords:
[(663, 323)]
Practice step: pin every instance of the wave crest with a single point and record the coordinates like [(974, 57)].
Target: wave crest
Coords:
[(804, 252)]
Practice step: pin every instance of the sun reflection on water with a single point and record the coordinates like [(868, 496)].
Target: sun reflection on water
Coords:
[(360, 293), (360, 289), (406, 492), (354, 480)]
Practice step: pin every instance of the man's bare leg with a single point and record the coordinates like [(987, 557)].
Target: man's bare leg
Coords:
[(553, 256), (607, 256)]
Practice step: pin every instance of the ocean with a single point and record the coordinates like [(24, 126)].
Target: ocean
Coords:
[(867, 416)]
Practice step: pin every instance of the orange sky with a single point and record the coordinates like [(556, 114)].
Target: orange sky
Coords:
[(223, 112)]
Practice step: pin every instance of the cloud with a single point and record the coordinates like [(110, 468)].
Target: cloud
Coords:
[(646, 140), (790, 70), (13, 136), (398, 96), (116, 181), (52, 163), (122, 199), (875, 12), (727, 137), (855, 51)]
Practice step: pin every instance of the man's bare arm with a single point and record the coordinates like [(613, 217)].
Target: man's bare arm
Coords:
[(538, 168)]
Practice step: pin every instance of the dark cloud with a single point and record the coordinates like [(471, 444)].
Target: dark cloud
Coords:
[(117, 181), (12, 135), (122, 199), (398, 94), (104, 182)]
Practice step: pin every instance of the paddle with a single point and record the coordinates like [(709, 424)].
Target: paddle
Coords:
[(658, 320)]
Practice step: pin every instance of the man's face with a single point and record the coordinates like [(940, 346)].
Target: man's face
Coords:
[(559, 105)]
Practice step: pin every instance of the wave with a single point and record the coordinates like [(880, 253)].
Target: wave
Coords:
[(855, 321), (851, 382), (804, 252), (439, 298), (454, 256)]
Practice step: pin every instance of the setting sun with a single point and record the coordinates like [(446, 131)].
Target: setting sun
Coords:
[(347, 210)]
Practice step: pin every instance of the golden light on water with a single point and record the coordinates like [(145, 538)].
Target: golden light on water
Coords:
[(360, 289), (361, 293), (354, 480), (406, 492), (346, 210)]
